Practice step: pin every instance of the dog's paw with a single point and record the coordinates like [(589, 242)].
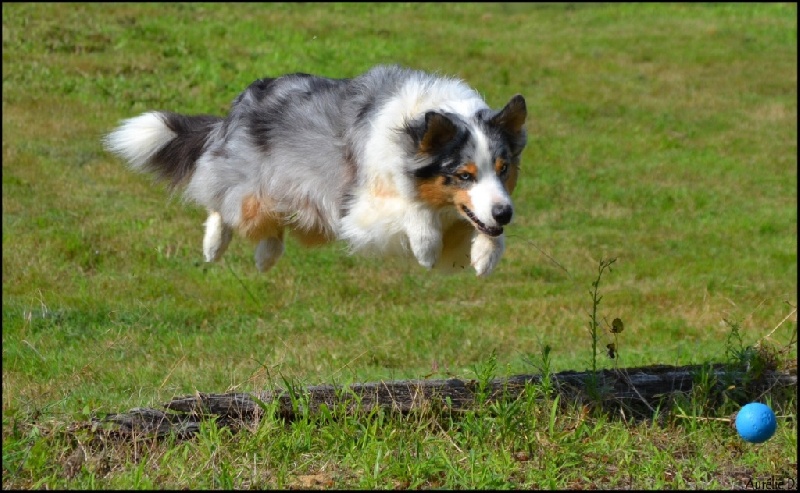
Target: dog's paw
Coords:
[(486, 253), (267, 253), (427, 250), (424, 237), (217, 237)]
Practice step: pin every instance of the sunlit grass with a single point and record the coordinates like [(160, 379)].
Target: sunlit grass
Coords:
[(663, 135)]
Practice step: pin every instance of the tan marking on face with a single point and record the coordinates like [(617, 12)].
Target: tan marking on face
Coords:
[(470, 168), (435, 192), (258, 221), (510, 181), (461, 197), (510, 178), (498, 165)]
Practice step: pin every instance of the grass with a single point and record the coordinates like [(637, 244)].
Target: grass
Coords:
[(662, 135)]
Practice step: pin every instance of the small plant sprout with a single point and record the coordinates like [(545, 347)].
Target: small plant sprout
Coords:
[(596, 298)]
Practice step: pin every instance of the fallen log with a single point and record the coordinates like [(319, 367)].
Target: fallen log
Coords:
[(639, 389)]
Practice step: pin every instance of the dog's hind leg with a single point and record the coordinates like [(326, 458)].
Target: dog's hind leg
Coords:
[(268, 251), (217, 237), (263, 226)]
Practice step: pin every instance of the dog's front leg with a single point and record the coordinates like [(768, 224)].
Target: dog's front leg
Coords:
[(486, 253), (424, 231)]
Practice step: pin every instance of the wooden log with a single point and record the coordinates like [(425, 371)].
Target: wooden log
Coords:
[(639, 389)]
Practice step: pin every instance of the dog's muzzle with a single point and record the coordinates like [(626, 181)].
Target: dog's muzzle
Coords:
[(501, 213)]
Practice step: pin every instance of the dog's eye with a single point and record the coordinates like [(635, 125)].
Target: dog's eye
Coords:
[(503, 169), (465, 176)]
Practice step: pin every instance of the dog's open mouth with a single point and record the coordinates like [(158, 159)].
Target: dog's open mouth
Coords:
[(493, 231)]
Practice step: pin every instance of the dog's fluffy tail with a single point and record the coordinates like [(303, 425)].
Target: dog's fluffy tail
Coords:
[(163, 143)]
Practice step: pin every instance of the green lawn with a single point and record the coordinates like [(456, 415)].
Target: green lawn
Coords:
[(662, 135)]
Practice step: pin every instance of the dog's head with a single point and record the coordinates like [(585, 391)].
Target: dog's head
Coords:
[(470, 163)]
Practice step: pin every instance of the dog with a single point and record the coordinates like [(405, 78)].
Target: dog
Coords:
[(395, 161)]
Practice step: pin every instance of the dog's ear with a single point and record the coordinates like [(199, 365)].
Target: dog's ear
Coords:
[(432, 134), (512, 118)]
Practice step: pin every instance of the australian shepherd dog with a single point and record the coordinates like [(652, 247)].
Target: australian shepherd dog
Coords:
[(394, 161)]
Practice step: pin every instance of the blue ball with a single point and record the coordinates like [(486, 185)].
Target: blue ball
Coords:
[(756, 422)]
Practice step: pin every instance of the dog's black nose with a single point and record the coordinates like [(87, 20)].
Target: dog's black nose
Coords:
[(502, 213)]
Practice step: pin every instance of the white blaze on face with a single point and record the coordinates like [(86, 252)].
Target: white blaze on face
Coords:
[(488, 190)]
